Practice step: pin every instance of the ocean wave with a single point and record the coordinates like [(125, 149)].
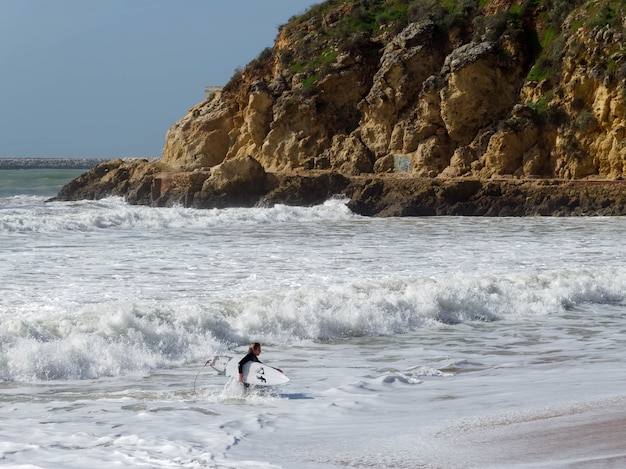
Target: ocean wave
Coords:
[(121, 337), (374, 308), (31, 214)]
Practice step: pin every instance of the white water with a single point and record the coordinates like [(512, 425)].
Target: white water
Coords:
[(402, 337)]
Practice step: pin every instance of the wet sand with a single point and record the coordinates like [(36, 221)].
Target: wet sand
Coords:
[(590, 435)]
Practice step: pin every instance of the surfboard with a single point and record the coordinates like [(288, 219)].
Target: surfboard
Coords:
[(219, 362), (258, 374)]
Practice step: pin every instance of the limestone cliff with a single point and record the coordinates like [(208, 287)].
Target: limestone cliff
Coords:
[(507, 89), (484, 89)]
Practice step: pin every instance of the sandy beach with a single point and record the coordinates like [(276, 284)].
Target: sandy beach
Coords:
[(587, 435)]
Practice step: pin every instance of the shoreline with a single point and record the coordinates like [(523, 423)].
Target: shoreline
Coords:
[(584, 435)]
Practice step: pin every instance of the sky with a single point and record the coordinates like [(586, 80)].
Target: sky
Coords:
[(107, 78)]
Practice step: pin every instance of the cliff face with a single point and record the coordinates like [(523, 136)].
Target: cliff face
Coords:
[(481, 98), (485, 89)]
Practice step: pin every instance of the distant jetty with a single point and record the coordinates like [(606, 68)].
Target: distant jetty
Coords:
[(50, 163)]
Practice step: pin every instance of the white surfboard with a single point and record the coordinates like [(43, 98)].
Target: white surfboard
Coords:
[(256, 373), (219, 362)]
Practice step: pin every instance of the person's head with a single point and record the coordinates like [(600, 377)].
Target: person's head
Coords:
[(255, 347)]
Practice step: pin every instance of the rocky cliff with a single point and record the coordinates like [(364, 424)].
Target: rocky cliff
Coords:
[(405, 94)]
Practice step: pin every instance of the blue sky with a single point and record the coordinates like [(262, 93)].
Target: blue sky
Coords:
[(107, 78)]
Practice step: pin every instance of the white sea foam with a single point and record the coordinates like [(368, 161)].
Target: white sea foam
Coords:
[(55, 337), (398, 335), (23, 214)]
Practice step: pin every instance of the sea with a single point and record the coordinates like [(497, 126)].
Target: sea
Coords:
[(434, 342)]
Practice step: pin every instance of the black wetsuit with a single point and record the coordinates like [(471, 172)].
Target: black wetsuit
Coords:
[(250, 357)]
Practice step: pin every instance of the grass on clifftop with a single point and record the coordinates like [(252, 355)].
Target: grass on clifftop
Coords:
[(362, 27)]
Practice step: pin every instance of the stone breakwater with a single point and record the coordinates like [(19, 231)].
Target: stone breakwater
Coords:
[(50, 163)]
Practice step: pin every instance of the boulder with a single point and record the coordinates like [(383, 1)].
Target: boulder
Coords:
[(237, 182)]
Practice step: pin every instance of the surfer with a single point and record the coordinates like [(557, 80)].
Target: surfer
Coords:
[(254, 350)]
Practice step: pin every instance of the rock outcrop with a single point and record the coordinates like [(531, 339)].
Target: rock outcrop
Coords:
[(248, 185), (399, 94)]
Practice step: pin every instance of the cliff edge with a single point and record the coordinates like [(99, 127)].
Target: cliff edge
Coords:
[(394, 103)]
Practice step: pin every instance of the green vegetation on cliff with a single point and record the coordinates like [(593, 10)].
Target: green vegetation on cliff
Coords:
[(329, 28)]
